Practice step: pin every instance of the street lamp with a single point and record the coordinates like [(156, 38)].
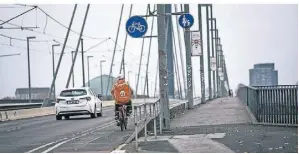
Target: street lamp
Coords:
[(136, 76), (28, 59), (88, 69), (102, 61), (73, 75), (141, 84), (129, 75), (53, 65)]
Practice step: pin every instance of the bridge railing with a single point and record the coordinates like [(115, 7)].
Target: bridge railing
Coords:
[(271, 104), (143, 114)]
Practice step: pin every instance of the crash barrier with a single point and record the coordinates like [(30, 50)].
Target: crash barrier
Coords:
[(25, 113), (20, 106), (271, 104), (20, 101)]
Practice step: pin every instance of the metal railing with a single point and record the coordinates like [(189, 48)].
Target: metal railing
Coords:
[(150, 112), (272, 104)]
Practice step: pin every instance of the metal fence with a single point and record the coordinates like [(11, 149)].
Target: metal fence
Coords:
[(145, 113), (272, 104)]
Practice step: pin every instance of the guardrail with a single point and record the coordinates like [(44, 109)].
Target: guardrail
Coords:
[(271, 104), (20, 106), (151, 111)]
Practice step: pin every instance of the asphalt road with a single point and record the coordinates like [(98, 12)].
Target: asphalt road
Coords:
[(79, 134)]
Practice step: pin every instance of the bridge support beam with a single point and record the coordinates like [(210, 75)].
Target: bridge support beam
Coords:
[(169, 52), (163, 76)]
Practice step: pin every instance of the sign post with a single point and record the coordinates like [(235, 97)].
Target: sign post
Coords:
[(196, 44), (186, 21), (213, 64)]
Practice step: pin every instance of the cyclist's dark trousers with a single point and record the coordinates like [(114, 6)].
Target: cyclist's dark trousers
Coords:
[(129, 107)]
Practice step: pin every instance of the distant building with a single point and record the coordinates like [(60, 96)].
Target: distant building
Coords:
[(263, 74), (95, 84), (36, 93)]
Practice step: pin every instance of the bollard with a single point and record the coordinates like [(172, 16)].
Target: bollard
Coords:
[(155, 121), (145, 125), (136, 128)]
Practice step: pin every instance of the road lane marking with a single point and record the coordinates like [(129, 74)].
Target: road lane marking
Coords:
[(33, 150), (118, 149), (63, 142), (82, 133), (40, 147)]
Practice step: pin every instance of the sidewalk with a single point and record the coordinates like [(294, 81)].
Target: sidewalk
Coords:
[(219, 126)]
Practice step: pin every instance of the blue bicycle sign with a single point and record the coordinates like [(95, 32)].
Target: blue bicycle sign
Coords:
[(186, 20), (136, 26)]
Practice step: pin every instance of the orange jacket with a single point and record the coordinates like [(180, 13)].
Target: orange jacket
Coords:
[(115, 85)]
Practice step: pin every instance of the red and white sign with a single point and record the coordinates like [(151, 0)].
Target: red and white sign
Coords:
[(195, 44), (213, 64)]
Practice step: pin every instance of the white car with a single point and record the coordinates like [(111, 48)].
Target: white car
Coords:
[(78, 101)]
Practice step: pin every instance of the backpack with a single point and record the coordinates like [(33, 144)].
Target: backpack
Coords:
[(122, 92)]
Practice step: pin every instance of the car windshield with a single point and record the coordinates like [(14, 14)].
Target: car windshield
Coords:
[(72, 93)]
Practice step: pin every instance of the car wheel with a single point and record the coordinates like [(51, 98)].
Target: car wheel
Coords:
[(100, 114), (94, 114), (67, 117), (58, 117)]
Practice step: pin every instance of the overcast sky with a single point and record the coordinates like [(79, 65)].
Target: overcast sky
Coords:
[(249, 34)]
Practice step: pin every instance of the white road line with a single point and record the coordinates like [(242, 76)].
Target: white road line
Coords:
[(33, 150), (40, 147), (61, 143), (118, 149)]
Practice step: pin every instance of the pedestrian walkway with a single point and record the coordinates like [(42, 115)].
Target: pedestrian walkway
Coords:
[(220, 126)]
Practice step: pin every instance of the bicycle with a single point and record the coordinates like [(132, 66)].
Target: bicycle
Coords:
[(138, 26), (122, 116)]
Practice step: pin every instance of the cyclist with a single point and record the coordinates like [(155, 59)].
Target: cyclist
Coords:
[(122, 94)]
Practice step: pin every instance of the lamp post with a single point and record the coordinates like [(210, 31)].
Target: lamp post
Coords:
[(53, 65), (136, 76), (88, 69), (73, 75), (129, 75), (28, 58), (101, 65)]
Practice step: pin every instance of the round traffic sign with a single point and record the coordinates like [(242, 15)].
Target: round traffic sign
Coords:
[(136, 26), (186, 20)]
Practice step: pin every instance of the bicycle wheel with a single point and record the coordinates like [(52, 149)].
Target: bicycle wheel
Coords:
[(142, 28), (131, 29)]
